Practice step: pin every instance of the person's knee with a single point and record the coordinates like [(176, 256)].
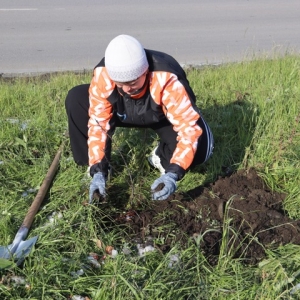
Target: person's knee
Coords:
[(72, 95), (77, 96)]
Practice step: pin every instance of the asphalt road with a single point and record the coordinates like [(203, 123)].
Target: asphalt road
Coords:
[(42, 36)]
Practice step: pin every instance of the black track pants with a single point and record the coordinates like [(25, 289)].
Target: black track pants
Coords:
[(77, 106)]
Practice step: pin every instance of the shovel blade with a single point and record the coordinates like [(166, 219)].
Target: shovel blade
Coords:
[(19, 252)]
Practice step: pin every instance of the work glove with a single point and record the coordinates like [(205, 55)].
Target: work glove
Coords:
[(169, 182), (98, 183)]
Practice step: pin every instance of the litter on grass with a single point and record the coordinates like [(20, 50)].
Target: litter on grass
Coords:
[(93, 260), (28, 191), (23, 125), (174, 260), (295, 289), (111, 251), (78, 273), (6, 213), (14, 281), (142, 250), (78, 297), (53, 218), (18, 280)]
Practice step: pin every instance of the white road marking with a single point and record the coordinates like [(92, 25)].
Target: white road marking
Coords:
[(16, 9)]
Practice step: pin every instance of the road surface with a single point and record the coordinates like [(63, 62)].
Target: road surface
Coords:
[(45, 36)]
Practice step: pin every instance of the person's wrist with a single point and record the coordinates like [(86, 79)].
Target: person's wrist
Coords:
[(101, 166), (172, 175), (174, 168)]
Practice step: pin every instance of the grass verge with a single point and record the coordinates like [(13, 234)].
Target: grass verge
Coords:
[(253, 110)]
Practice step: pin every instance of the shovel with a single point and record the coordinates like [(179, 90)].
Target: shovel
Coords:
[(21, 247)]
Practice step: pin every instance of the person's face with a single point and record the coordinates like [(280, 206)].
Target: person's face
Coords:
[(131, 87)]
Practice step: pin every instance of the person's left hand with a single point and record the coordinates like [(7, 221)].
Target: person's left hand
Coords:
[(98, 183), (169, 182)]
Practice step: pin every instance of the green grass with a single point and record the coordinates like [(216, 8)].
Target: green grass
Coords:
[(253, 108)]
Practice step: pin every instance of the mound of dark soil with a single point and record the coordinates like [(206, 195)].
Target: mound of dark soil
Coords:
[(240, 206)]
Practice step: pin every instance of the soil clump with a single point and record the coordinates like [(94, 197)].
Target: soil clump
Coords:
[(239, 206)]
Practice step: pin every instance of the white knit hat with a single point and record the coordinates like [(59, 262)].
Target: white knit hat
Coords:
[(125, 59)]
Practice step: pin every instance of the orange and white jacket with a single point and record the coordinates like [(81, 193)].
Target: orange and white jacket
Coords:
[(167, 94)]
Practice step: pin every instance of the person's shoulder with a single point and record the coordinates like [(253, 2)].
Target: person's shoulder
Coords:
[(157, 53), (159, 57), (163, 62), (101, 72), (101, 63), (162, 79), (102, 80)]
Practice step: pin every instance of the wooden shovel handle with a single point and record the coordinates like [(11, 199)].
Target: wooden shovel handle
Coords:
[(42, 190)]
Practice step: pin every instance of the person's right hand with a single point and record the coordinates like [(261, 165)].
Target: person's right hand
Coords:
[(98, 183), (169, 182)]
